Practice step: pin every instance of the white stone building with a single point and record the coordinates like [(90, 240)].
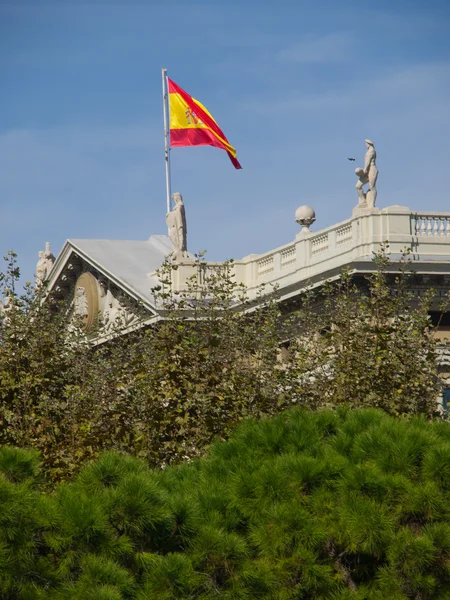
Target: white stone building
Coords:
[(110, 281), (124, 271)]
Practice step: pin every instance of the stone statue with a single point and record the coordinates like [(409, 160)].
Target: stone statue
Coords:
[(368, 174), (6, 305), (81, 303), (48, 255), (176, 222), (44, 265), (112, 314), (41, 269)]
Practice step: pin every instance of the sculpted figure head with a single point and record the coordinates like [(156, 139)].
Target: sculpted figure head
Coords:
[(177, 198), (48, 253), (369, 143), (103, 285)]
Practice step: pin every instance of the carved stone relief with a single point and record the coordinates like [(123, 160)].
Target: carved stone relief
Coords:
[(98, 305), (86, 301)]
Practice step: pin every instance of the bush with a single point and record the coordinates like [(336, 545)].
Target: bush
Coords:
[(327, 505)]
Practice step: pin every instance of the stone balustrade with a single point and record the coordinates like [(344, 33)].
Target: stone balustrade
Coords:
[(322, 254), (431, 224)]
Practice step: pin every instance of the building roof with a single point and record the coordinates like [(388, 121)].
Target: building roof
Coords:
[(130, 263)]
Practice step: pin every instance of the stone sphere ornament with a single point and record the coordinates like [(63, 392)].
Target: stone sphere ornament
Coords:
[(305, 216)]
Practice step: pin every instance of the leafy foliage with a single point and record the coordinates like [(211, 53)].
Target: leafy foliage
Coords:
[(331, 505), (164, 393), (368, 345)]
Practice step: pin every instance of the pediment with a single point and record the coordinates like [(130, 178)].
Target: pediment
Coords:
[(108, 284)]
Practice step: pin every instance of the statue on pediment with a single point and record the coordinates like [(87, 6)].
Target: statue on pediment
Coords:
[(113, 313), (41, 269), (176, 222), (44, 265)]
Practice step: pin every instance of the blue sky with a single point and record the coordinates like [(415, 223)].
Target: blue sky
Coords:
[(296, 86)]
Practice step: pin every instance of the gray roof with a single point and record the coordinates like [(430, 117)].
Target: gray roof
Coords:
[(129, 261)]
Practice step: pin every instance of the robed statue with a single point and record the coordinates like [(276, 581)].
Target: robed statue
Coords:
[(176, 222), (44, 265)]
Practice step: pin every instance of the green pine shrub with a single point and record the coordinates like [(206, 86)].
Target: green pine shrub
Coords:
[(329, 505)]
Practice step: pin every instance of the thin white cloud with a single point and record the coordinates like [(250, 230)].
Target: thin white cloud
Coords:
[(66, 182), (246, 39), (333, 47), (407, 88), (59, 168)]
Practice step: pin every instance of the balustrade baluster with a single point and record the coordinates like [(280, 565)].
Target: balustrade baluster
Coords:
[(423, 226), (436, 226)]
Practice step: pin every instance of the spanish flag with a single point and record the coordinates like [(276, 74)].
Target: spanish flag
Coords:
[(192, 125)]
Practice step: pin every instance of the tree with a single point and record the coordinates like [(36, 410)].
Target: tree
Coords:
[(330, 505), (165, 393), (38, 359), (368, 345)]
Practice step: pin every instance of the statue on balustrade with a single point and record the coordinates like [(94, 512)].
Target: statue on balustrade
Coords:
[(367, 175), (176, 222)]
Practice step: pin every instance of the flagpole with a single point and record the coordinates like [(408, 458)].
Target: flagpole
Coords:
[(166, 136)]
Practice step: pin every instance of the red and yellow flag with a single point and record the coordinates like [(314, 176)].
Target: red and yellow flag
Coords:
[(192, 125)]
